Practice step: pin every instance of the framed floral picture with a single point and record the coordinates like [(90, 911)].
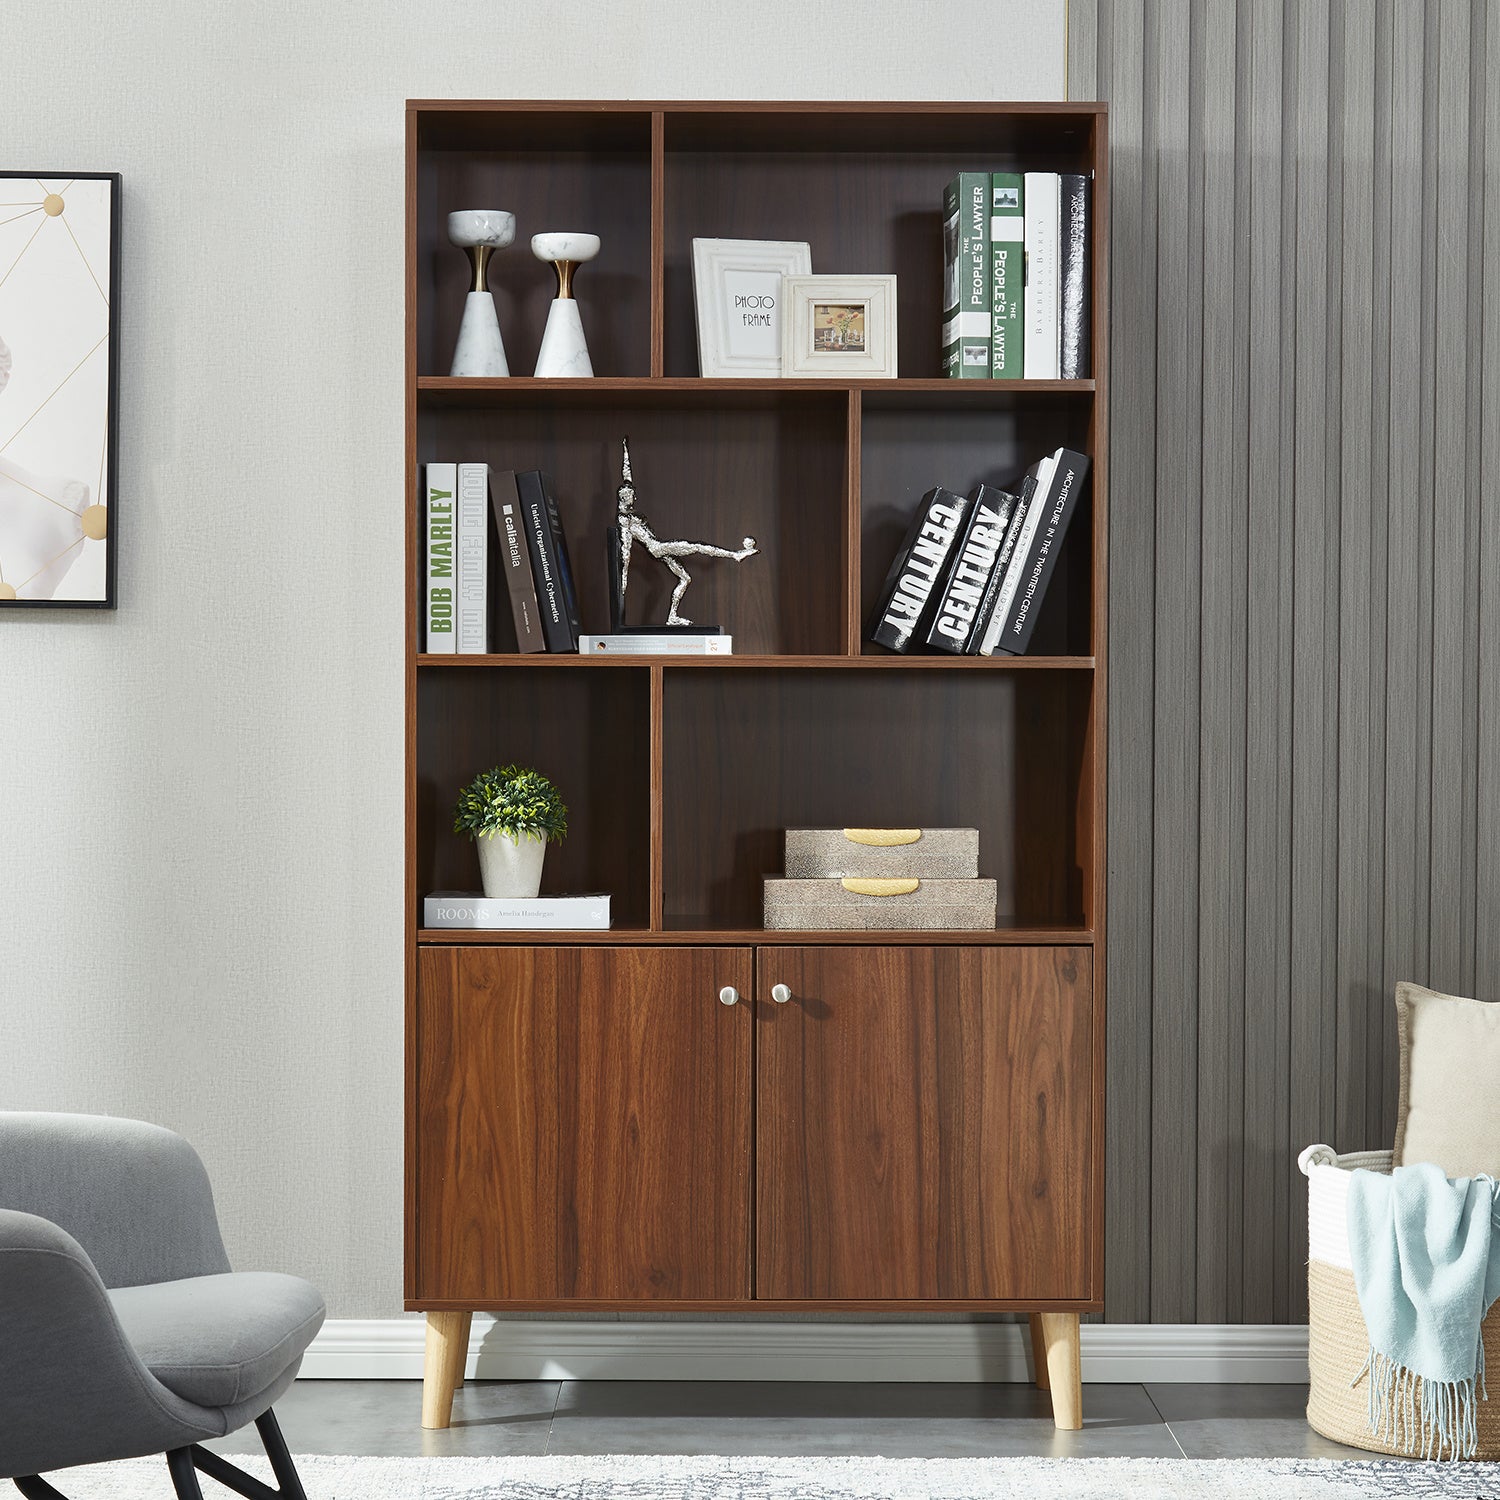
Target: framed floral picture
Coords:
[(59, 360), (839, 326)]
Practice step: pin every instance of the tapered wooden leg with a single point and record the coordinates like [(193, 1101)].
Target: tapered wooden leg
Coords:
[(463, 1349), (447, 1344), (1038, 1351), (1064, 1373)]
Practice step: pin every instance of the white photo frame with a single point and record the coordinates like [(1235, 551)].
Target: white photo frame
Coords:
[(737, 291), (839, 327)]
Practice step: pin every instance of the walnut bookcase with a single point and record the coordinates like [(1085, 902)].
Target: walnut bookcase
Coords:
[(588, 1127)]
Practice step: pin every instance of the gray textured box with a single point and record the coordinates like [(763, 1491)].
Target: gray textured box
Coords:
[(831, 906), (831, 853)]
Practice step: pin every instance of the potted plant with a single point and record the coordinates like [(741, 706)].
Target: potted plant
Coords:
[(512, 812)]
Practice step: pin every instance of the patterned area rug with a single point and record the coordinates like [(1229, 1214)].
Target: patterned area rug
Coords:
[(666, 1478)]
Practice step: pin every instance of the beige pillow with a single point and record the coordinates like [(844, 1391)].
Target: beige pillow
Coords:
[(1449, 1111)]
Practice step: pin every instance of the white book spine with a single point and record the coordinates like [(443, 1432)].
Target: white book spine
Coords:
[(1017, 564), (462, 909), (1043, 344), (440, 598), (473, 564)]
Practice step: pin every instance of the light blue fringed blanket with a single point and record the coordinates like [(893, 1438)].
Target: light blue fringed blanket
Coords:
[(1421, 1249)]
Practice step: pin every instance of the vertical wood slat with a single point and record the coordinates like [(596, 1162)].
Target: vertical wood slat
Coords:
[(1310, 879), (1265, 900), (1487, 854), (1132, 613), (1175, 790), (1221, 686), (1352, 520), (1306, 498)]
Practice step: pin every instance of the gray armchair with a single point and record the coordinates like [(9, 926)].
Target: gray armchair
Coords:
[(123, 1331)]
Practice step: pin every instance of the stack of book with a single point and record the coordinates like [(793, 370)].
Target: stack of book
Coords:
[(533, 558), (972, 572), (1016, 276), (902, 879)]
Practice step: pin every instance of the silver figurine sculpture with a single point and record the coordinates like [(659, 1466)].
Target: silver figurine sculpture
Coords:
[(635, 528)]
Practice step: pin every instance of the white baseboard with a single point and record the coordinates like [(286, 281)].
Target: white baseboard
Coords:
[(391, 1349)]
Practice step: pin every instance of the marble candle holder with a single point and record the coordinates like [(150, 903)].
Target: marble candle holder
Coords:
[(480, 349), (565, 351)]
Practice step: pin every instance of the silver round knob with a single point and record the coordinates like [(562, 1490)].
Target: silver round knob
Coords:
[(780, 994), (729, 995)]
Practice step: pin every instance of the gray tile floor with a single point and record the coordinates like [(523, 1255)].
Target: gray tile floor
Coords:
[(722, 1417)]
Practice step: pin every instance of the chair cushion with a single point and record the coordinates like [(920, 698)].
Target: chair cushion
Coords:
[(217, 1340)]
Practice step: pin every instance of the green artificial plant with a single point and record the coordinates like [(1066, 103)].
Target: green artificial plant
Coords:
[(513, 800)]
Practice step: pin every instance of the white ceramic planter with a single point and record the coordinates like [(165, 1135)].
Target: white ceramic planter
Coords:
[(511, 868)]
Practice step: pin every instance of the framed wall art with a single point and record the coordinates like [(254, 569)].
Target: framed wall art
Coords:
[(59, 360), (737, 291), (843, 327)]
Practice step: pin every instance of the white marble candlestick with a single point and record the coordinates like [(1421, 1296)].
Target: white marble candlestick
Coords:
[(480, 349), (565, 351)]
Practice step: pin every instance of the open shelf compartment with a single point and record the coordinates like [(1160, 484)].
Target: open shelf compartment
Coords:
[(588, 732), (747, 754), (774, 470), (554, 170), (907, 447)]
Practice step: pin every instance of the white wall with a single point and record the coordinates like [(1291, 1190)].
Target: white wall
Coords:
[(200, 796)]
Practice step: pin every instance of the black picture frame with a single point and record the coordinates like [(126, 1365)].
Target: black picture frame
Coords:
[(112, 416)]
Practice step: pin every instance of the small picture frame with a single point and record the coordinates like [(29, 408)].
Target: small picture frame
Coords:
[(737, 290), (841, 327)]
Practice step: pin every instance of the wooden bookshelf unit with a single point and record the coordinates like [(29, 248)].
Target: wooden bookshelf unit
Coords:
[(588, 1127)]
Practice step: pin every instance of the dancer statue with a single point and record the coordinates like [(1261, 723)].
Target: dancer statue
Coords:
[(631, 527)]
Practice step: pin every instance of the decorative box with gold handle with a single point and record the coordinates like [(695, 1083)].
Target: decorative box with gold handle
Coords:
[(893, 903), (927, 853)]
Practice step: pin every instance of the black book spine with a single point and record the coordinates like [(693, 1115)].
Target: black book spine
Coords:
[(1074, 303), (996, 581), (969, 569), (543, 563), (564, 563), (515, 558), (908, 592), (1062, 499)]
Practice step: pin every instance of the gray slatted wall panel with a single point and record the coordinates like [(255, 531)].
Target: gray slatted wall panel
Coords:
[(1305, 676)]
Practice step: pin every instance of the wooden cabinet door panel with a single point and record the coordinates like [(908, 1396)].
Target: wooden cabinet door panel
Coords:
[(486, 1150), (923, 1126), (584, 1124)]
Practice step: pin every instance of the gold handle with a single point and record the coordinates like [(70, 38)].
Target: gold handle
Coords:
[(882, 838), (885, 886)]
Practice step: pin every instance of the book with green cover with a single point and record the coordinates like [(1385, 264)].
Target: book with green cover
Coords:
[(1007, 274), (966, 276)]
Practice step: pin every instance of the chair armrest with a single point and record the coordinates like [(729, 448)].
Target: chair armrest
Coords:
[(134, 1196), (72, 1390)]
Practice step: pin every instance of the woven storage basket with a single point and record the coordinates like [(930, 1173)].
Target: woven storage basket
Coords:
[(1338, 1342)]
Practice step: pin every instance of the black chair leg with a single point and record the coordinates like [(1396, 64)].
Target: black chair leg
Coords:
[(34, 1487), (282, 1467), (289, 1486), (184, 1464), (184, 1475)]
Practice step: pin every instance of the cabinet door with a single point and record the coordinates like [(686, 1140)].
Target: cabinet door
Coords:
[(583, 1124), (923, 1123)]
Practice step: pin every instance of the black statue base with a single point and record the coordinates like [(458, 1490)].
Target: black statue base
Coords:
[(617, 625)]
